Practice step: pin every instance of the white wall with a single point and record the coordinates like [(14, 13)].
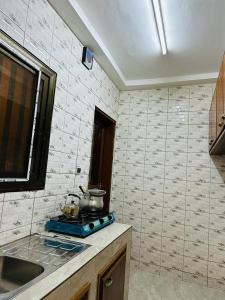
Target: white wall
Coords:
[(167, 186), (36, 26)]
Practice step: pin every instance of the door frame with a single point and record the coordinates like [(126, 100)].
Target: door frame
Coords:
[(106, 156)]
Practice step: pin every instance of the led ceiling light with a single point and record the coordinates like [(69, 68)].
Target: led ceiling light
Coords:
[(159, 24)]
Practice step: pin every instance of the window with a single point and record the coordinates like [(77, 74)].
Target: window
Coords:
[(26, 105)]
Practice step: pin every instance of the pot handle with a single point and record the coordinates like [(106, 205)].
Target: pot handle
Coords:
[(74, 195), (82, 190)]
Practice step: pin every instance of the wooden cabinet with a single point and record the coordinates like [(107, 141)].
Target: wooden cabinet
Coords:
[(212, 120), (220, 101), (83, 293), (106, 275), (217, 115), (111, 280)]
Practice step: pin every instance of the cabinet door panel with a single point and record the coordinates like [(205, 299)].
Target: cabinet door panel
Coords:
[(217, 115), (111, 285), (220, 100), (83, 293), (223, 82), (212, 121)]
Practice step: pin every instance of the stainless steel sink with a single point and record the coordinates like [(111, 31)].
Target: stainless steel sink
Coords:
[(15, 272), (28, 260)]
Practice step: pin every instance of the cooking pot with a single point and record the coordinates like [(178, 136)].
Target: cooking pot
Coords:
[(92, 200)]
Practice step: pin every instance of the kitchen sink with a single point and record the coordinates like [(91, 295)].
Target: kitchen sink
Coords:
[(30, 259), (15, 272)]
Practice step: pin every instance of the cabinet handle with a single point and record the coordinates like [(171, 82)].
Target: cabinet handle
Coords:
[(220, 124), (108, 282), (210, 142)]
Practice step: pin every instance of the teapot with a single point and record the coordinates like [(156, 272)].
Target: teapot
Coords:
[(70, 210)]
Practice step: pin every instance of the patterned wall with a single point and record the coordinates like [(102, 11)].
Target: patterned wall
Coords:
[(36, 26), (167, 186)]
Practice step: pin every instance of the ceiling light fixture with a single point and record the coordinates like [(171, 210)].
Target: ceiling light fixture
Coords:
[(159, 24)]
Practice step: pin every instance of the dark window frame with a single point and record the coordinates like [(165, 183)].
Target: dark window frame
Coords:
[(42, 131)]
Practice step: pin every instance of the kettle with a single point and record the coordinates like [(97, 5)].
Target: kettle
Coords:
[(70, 210), (92, 200)]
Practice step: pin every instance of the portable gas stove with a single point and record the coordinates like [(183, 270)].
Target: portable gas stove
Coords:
[(81, 226)]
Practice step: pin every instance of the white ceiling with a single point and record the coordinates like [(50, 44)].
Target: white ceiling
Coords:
[(125, 31)]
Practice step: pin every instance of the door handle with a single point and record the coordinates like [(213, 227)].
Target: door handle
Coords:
[(108, 282)]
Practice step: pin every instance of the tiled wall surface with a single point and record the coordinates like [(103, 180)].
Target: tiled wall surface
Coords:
[(36, 26), (167, 186)]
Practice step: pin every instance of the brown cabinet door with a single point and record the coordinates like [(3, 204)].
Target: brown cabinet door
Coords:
[(111, 283), (220, 100), (83, 293), (217, 114), (212, 121), (223, 87)]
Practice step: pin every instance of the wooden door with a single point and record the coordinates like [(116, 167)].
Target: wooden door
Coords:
[(102, 154), (111, 282)]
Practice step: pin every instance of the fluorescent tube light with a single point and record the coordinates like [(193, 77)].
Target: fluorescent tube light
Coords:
[(159, 25)]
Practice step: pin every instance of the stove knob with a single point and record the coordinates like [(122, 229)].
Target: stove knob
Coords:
[(101, 221), (91, 225)]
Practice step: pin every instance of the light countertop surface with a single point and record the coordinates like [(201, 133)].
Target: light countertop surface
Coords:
[(98, 241)]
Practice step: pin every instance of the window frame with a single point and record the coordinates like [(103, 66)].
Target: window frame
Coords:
[(42, 129)]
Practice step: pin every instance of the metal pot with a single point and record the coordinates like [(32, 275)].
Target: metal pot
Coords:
[(92, 200)]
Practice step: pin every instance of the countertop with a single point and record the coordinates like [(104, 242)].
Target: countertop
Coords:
[(98, 241)]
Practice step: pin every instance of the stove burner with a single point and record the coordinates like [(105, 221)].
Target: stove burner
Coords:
[(82, 218)]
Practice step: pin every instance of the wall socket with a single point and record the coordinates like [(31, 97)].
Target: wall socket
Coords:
[(78, 170)]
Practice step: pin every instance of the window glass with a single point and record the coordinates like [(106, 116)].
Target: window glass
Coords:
[(18, 88)]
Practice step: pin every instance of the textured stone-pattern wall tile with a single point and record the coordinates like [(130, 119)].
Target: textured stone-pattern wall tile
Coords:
[(165, 171), (37, 27)]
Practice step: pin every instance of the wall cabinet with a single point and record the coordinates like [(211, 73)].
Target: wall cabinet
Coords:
[(212, 121), (217, 115)]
